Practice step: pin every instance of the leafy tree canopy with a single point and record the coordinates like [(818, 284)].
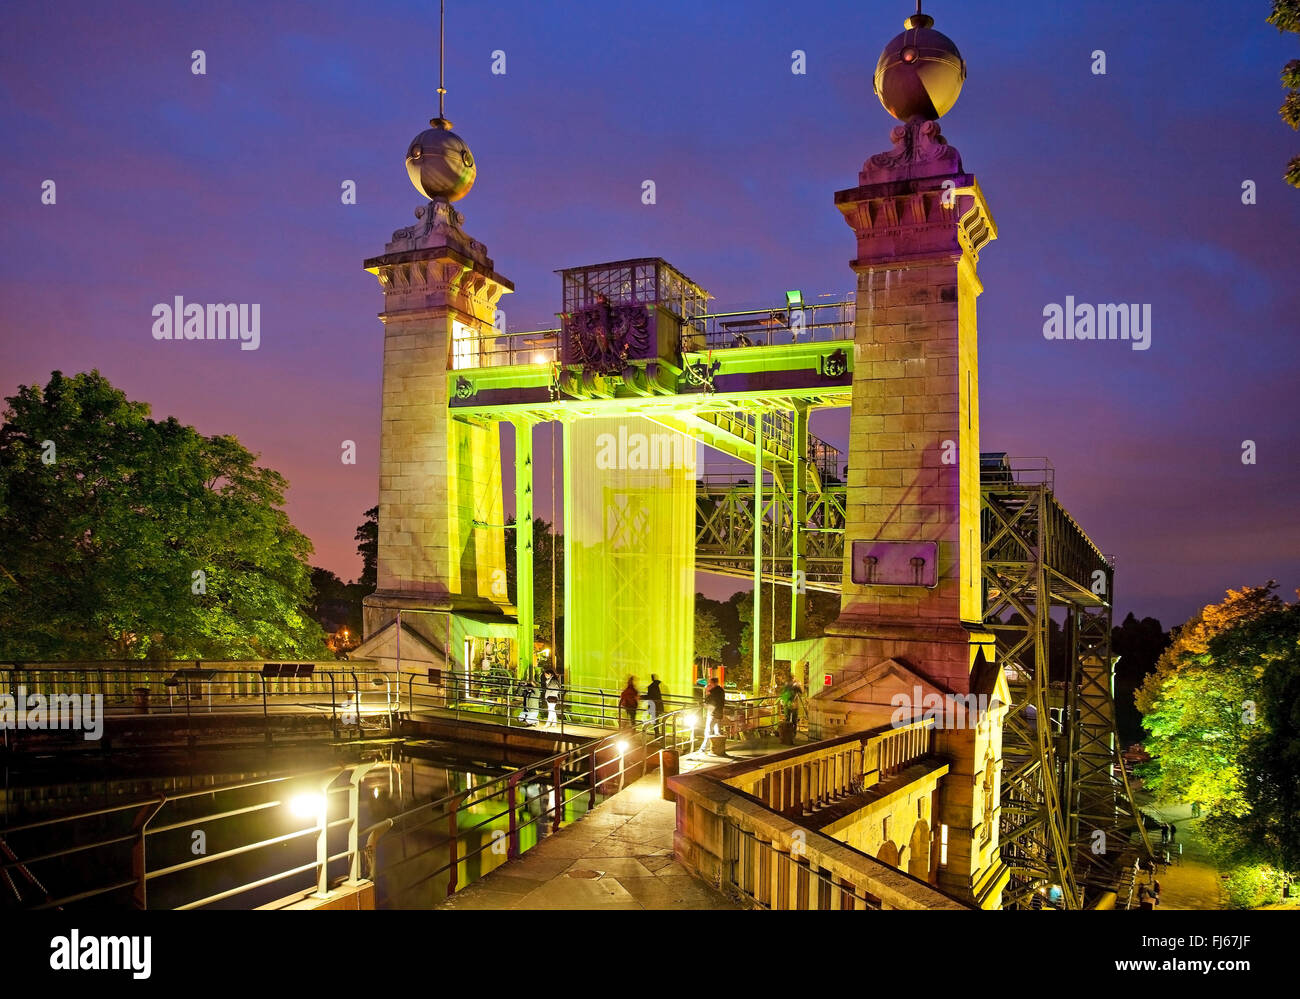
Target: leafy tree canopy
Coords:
[(1223, 709), (126, 537)]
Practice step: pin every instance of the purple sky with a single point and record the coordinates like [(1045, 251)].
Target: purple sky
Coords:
[(1117, 188)]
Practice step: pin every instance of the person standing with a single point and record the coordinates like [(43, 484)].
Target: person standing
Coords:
[(654, 695), (628, 700), (715, 702), (787, 701), (1164, 832), (1173, 832), (551, 686)]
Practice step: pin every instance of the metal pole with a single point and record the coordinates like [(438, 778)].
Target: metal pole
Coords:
[(334, 718), (453, 844), (511, 799), (756, 630), (322, 844), (524, 544), (556, 780)]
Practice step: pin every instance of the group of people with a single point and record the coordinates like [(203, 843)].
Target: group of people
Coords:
[(629, 701), (549, 694)]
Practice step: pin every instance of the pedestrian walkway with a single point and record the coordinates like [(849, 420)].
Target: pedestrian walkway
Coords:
[(1193, 883), (620, 856)]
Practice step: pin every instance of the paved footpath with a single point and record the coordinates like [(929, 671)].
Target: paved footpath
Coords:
[(1193, 883), (620, 856)]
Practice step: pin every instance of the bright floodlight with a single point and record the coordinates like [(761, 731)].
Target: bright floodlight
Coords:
[(306, 806), (621, 746), (794, 299), (691, 720)]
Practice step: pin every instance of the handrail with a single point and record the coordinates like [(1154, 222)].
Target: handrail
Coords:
[(585, 770)]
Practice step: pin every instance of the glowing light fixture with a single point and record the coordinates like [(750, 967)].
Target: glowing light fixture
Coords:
[(794, 299), (621, 746), (306, 806)]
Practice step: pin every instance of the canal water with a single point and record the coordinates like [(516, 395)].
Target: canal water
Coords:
[(410, 863)]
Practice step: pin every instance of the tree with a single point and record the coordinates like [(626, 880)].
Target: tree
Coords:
[(1266, 650), (367, 538), (1137, 645), (709, 639), (1192, 706), (1286, 17), (126, 537), (547, 600)]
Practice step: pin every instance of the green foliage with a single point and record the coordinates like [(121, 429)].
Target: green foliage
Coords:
[(1223, 709), (709, 639), (367, 538), (548, 600), (1293, 172), (1252, 886), (1192, 706), (1286, 17), (101, 545), (1138, 646)]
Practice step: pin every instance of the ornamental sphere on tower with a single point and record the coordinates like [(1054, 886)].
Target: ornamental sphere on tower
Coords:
[(920, 73), (439, 163)]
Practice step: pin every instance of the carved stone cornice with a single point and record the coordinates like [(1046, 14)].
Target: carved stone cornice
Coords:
[(915, 202)]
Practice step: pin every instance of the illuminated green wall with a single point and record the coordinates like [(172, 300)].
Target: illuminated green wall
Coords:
[(629, 532)]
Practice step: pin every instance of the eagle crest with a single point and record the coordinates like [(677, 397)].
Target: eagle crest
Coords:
[(604, 336)]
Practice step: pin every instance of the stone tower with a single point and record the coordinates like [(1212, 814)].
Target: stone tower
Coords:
[(441, 559), (911, 608)]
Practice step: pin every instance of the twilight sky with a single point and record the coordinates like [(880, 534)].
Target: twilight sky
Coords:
[(1117, 188)]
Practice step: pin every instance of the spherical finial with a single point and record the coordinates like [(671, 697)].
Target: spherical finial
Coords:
[(439, 163), (920, 72)]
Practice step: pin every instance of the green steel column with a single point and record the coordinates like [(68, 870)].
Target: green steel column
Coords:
[(566, 483), (755, 640), (798, 520), (524, 542)]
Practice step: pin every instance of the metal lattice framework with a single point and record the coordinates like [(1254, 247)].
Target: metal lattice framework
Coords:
[(1068, 822)]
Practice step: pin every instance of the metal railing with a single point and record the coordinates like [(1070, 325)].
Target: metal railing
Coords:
[(771, 327), (767, 327), (117, 843), (485, 697), (498, 820), (124, 854), (347, 694)]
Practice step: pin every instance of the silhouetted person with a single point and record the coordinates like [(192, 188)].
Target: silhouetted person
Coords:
[(715, 703), (629, 699), (654, 696)]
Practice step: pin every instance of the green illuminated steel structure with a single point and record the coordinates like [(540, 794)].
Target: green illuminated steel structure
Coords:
[(947, 572)]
